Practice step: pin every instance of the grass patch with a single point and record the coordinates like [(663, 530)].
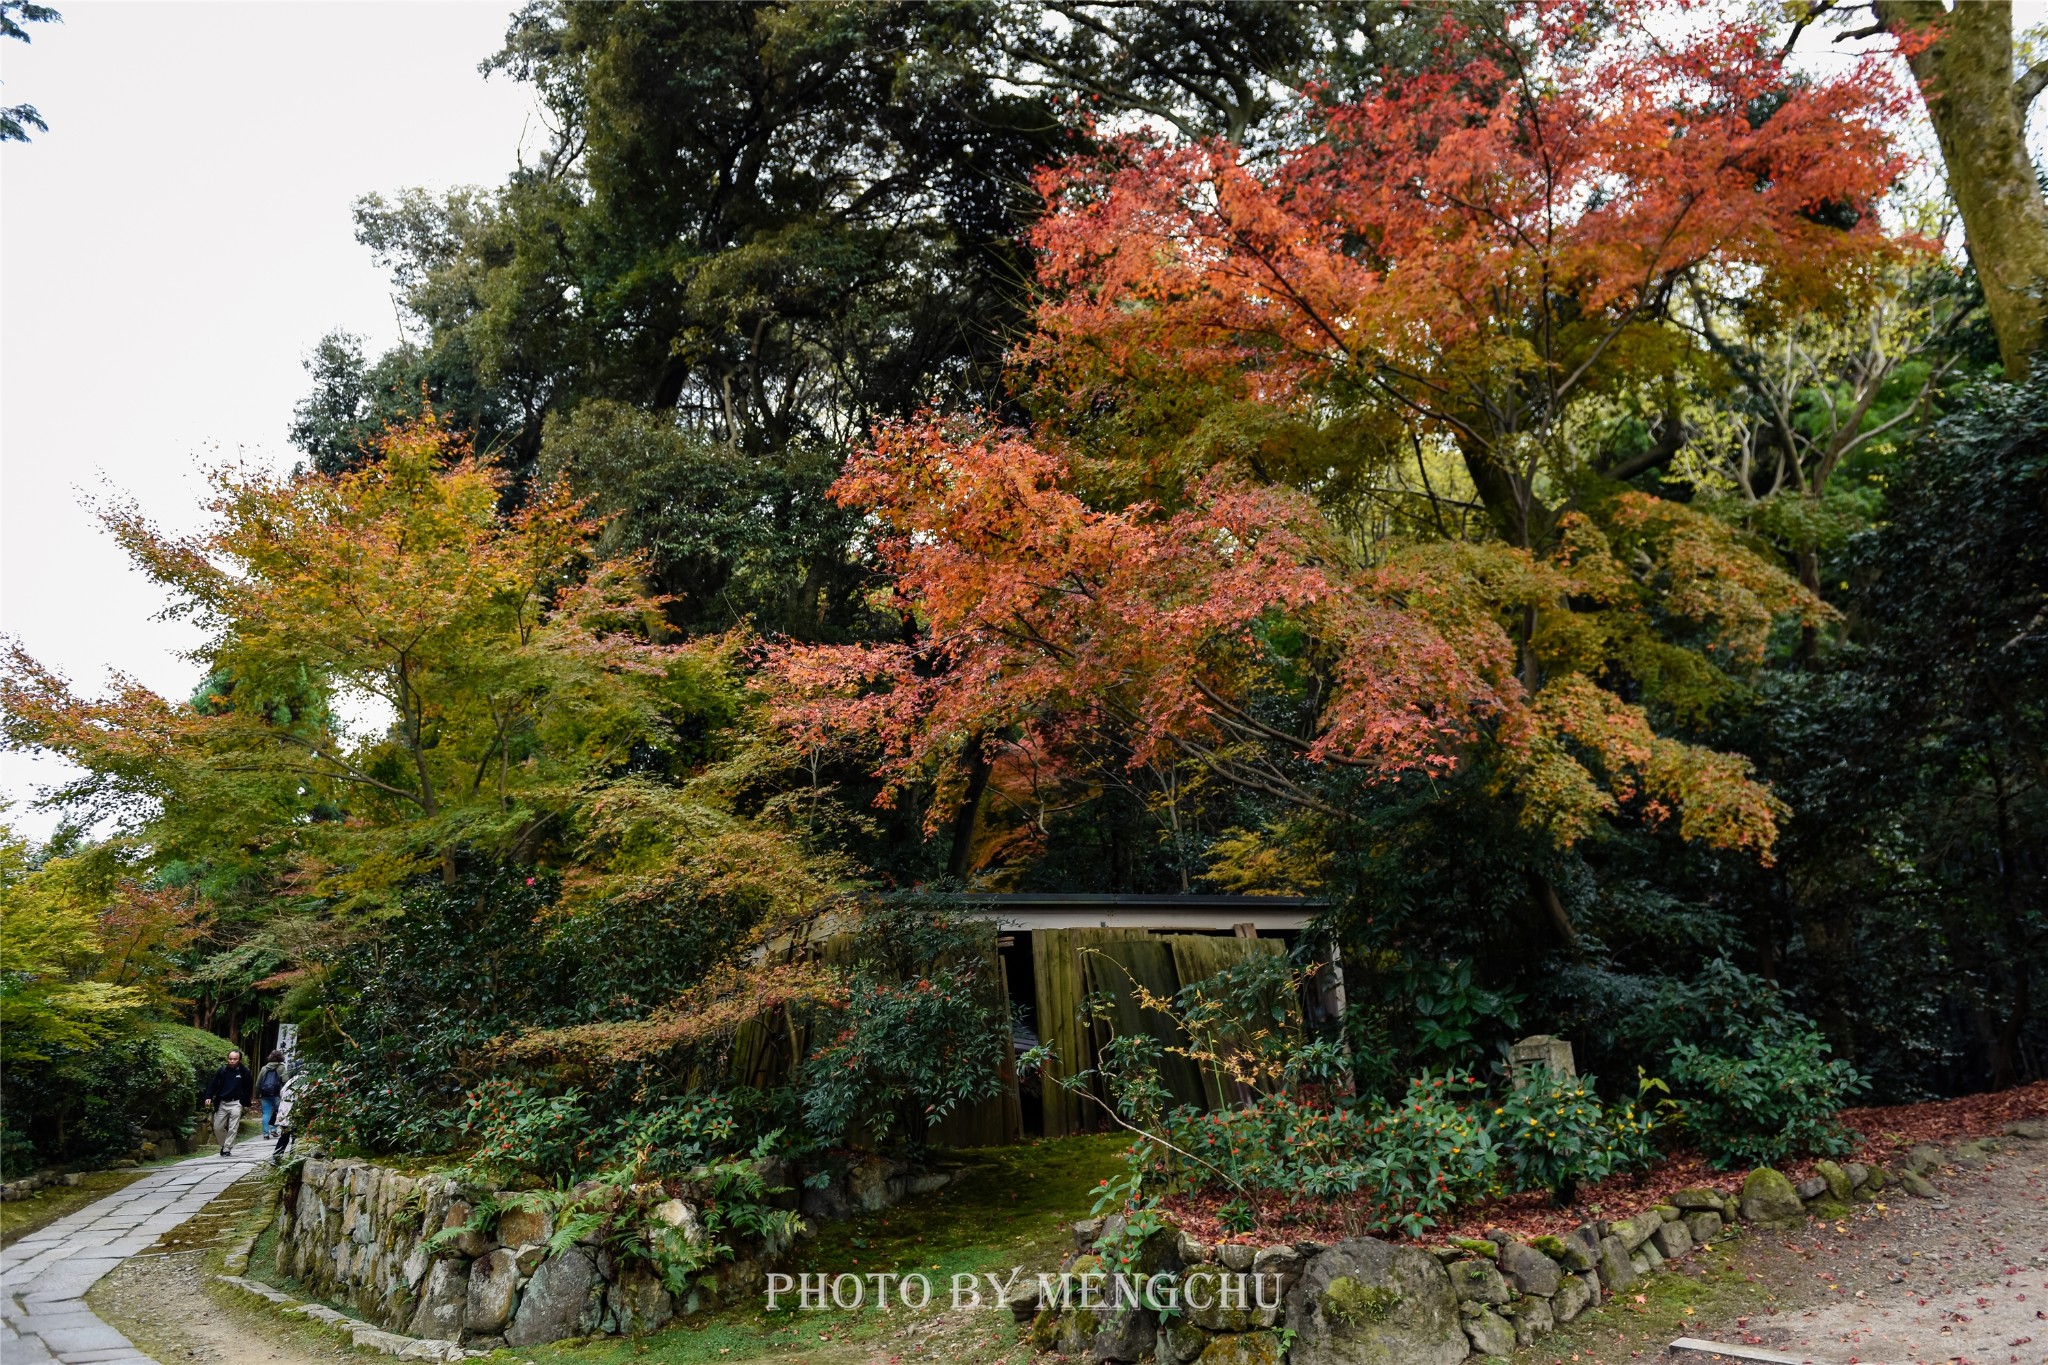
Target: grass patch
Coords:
[(263, 1255), (1011, 1208), (20, 1217), (1707, 1286)]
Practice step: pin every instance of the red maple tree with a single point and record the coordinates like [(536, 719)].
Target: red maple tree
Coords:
[(1477, 247), (1475, 250), (1237, 636)]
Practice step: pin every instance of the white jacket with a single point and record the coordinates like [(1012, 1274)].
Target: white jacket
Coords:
[(285, 1098)]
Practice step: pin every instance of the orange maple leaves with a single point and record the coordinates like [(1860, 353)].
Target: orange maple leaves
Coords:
[(1231, 635), (1037, 607), (1462, 249), (1465, 225)]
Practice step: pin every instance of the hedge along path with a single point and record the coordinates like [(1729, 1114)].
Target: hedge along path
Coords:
[(44, 1276)]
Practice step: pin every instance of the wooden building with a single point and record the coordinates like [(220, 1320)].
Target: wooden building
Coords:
[(1058, 949)]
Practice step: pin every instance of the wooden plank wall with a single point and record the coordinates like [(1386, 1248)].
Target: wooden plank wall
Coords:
[(1056, 969), (1196, 957), (1064, 975), (1115, 969), (1066, 965)]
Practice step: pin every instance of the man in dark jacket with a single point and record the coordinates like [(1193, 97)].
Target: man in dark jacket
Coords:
[(225, 1095)]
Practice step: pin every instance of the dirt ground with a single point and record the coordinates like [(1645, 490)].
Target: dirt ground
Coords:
[(170, 1307), (1961, 1279)]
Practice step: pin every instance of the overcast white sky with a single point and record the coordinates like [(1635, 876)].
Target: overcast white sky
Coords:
[(171, 249)]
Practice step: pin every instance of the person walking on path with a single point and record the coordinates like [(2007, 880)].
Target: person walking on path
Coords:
[(269, 1085), (225, 1095), (284, 1126)]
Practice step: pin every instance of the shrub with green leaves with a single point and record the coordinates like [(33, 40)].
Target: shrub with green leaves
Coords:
[(523, 1133), (919, 1033), (1765, 1096), (675, 1140), (90, 1105), (1558, 1135)]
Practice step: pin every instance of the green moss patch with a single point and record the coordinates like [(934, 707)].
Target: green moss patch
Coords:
[(1347, 1301)]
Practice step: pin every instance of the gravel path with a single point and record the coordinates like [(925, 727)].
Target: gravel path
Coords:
[(1963, 1278), (168, 1305), (44, 1276)]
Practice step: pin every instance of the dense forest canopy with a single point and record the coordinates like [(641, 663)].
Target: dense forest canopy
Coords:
[(1524, 474)]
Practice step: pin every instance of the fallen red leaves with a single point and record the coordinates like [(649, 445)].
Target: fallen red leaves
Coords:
[(1886, 1132), (1891, 1129)]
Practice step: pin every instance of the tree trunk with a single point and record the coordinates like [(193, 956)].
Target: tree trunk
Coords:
[(970, 806), (1510, 504), (1809, 634), (1980, 113), (1560, 919)]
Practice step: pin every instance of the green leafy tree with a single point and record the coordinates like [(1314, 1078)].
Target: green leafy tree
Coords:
[(525, 695), (17, 119), (51, 997)]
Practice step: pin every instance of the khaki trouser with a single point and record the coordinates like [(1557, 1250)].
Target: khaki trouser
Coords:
[(227, 1121)]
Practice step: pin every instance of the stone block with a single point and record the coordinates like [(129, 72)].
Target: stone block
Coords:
[(637, 1302), (1045, 1332), (1022, 1299), (1581, 1247), (1635, 1231), (1244, 1348), (1179, 1342), (1542, 1050), (443, 1302), (1533, 1321), (1617, 1273), (1477, 1282), (1572, 1298), (493, 1287), (1769, 1199), (1672, 1240), (465, 1244), (1124, 1334), (1918, 1185), (1225, 1300), (1704, 1226), (1490, 1333), (1529, 1270), (1274, 1271), (518, 1227), (562, 1300), (1365, 1302)]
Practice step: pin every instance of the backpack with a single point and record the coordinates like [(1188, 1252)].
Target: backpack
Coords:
[(271, 1083)]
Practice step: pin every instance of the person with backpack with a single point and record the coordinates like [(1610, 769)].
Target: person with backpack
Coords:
[(270, 1085)]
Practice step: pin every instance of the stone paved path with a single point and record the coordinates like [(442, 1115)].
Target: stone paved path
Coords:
[(44, 1276)]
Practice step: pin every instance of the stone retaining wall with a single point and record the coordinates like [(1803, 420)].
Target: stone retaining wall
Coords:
[(1368, 1302), (359, 1234), (365, 1236), (29, 1184)]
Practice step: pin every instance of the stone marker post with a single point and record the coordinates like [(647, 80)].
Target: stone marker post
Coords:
[(1541, 1049)]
